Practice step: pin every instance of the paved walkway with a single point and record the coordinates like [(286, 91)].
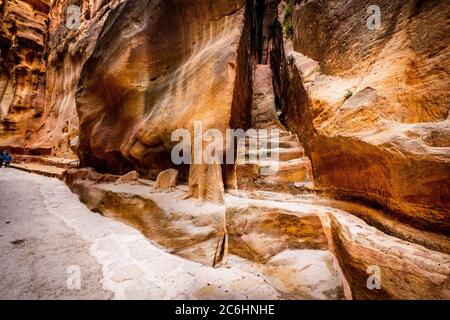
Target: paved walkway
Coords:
[(45, 170), (47, 238)]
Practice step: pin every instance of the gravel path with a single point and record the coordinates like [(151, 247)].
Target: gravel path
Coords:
[(48, 238)]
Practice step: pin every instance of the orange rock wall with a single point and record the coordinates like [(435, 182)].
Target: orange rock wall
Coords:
[(163, 65), (372, 106), (23, 32)]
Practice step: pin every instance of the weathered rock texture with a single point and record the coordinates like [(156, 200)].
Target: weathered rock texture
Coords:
[(41, 65), (288, 249), (22, 69), (303, 250), (176, 63), (115, 90), (371, 106), (407, 271), (68, 50)]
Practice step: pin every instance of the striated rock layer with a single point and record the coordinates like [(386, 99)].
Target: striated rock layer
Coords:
[(371, 106), (41, 65), (176, 63), (115, 90)]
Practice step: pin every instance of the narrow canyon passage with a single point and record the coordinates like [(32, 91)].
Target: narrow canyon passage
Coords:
[(344, 174)]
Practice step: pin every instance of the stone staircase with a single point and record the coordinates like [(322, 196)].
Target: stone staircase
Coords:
[(273, 158)]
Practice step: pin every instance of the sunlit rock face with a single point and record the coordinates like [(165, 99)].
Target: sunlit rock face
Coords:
[(68, 47), (22, 69), (158, 66), (372, 106), (41, 63)]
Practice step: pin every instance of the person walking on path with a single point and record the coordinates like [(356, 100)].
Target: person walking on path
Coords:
[(7, 159), (2, 156)]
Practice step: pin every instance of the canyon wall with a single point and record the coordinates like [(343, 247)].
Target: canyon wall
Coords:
[(371, 105), (112, 89), (23, 32), (41, 66), (163, 65), (364, 107), (67, 51)]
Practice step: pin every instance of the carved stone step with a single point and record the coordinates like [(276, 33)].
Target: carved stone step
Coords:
[(273, 175), (282, 154)]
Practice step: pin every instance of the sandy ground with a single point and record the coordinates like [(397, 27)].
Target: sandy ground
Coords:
[(47, 236)]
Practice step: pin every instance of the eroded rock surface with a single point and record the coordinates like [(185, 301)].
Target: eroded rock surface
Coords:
[(407, 271), (130, 177), (289, 249), (23, 31), (175, 64), (371, 107), (303, 249)]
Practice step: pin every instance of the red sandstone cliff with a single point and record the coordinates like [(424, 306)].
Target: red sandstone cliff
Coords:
[(372, 106), (23, 30)]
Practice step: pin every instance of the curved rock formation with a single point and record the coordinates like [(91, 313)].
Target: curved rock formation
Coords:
[(175, 63), (68, 50)]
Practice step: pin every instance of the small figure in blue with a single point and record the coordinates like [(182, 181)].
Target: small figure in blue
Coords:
[(2, 156), (7, 159)]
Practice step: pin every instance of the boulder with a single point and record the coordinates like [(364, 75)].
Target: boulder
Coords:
[(130, 177), (167, 179)]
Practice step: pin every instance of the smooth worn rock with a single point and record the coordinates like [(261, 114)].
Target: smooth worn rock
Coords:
[(275, 243), (363, 129), (23, 31), (158, 82), (403, 270), (259, 233), (130, 177), (167, 179)]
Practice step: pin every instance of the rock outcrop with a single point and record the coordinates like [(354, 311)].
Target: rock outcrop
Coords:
[(287, 248), (41, 65), (67, 51), (406, 271), (130, 177)]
